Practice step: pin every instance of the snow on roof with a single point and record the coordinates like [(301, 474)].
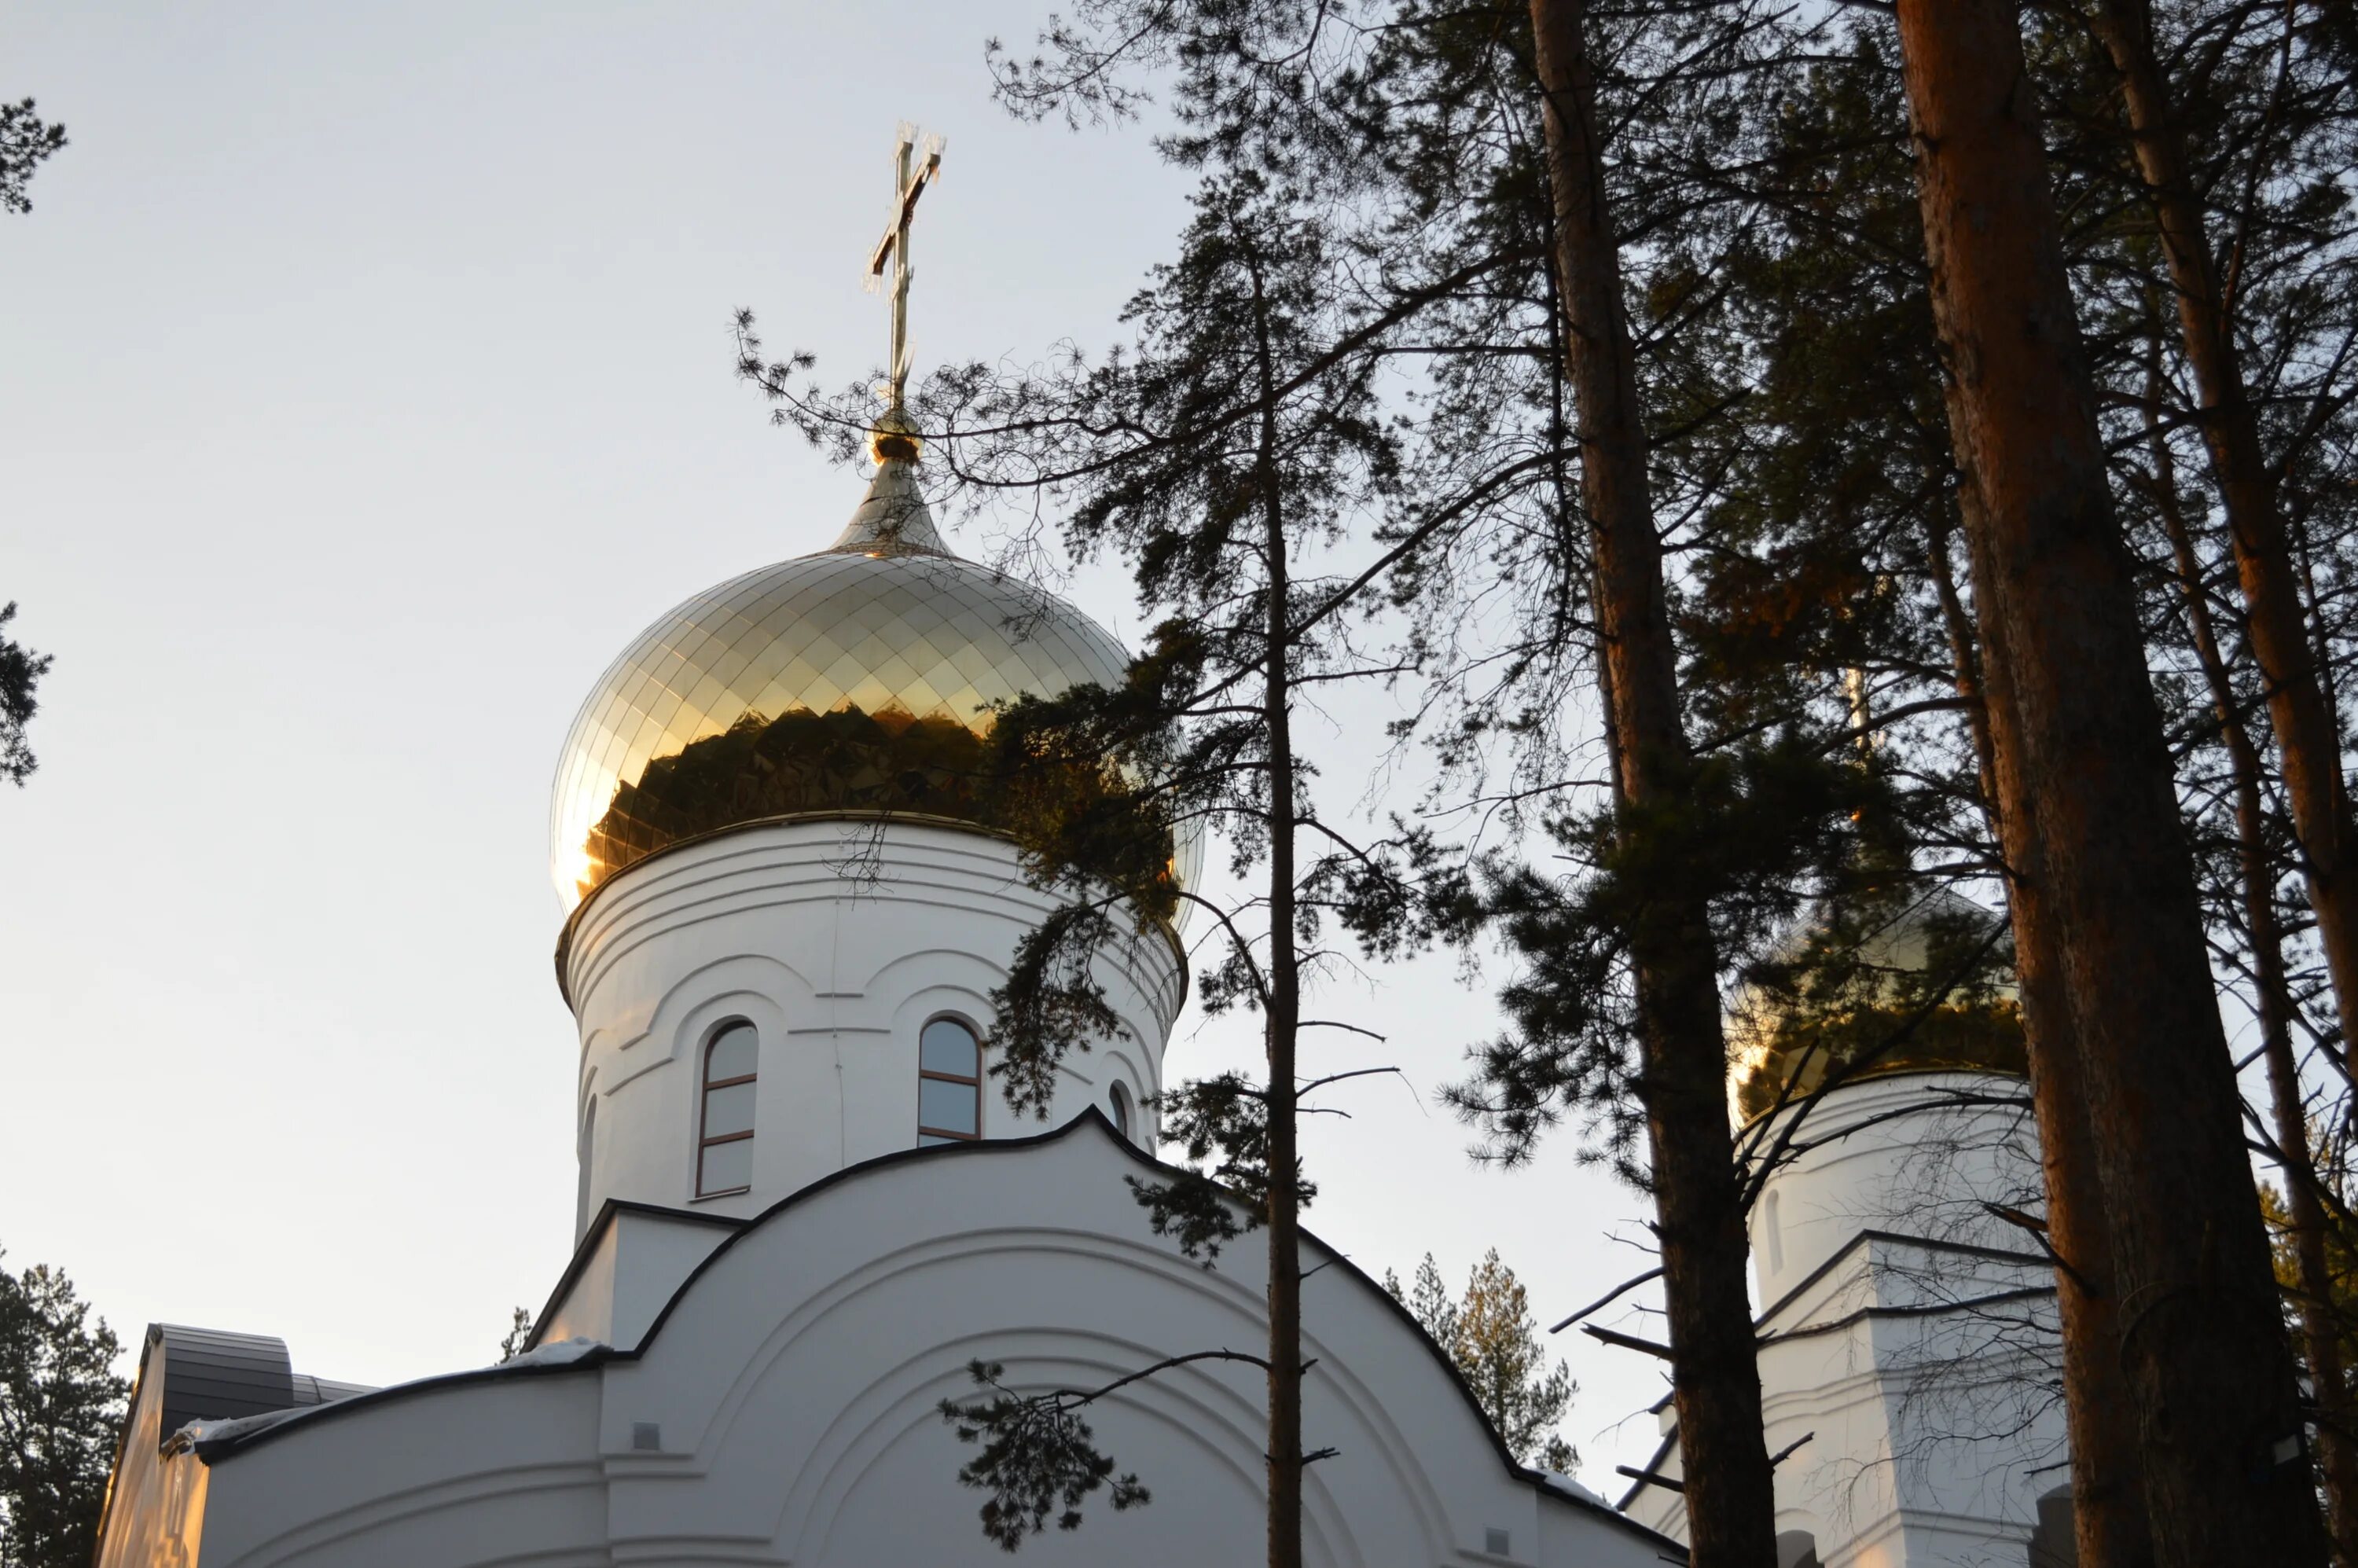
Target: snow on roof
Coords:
[(1564, 1483), (555, 1353)]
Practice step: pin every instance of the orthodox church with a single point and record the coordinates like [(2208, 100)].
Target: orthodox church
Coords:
[(802, 1214)]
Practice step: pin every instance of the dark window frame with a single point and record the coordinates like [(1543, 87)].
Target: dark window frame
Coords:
[(704, 1106), (973, 1083)]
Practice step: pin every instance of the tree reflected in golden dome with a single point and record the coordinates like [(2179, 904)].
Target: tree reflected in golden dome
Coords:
[(863, 678), (1929, 992)]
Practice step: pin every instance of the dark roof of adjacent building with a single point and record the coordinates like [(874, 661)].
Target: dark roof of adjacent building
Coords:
[(210, 1375)]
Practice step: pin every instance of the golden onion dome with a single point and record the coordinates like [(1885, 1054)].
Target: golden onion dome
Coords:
[(861, 679), (1884, 1026)]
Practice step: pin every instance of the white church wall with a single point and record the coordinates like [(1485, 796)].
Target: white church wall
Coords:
[(627, 1272), (1821, 1388), (1907, 1332), (811, 1348), (837, 939), (481, 1469), (1917, 1362), (783, 1409), (1917, 1153), (583, 1307), (1971, 1372), (1912, 1392), (657, 1252)]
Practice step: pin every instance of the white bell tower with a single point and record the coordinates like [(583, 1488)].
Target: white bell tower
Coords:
[(1910, 1364)]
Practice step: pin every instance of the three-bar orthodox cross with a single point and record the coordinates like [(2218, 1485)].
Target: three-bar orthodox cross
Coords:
[(916, 161)]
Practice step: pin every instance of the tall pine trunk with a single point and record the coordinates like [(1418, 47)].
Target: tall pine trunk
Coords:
[(1715, 1378), (2304, 1204), (2108, 1510), (2308, 738), (2083, 771), (1284, 1002)]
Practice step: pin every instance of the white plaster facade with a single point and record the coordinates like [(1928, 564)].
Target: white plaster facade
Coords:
[(838, 938), (1909, 1357), (782, 1407)]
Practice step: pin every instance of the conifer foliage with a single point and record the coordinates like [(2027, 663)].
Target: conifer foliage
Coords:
[(1628, 370), (2084, 780), (60, 1413), (25, 142), (1490, 1333), (519, 1335), (1220, 458), (21, 670)]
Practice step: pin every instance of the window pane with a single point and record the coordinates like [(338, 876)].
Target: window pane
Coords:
[(733, 1054), (1120, 1100), (729, 1110), (949, 1107), (947, 1046), (728, 1165), (928, 1140)]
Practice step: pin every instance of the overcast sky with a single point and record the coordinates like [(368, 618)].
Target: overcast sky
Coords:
[(365, 386)]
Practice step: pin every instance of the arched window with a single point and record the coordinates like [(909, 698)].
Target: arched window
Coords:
[(588, 1157), (1118, 1106), (949, 1083), (1796, 1549), (724, 1150)]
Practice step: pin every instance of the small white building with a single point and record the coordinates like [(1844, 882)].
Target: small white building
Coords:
[(1910, 1364), (804, 1209)]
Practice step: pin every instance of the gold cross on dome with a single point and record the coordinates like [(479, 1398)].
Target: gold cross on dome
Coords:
[(916, 163)]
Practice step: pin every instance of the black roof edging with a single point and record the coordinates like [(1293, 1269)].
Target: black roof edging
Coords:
[(213, 1449), (1959, 1249)]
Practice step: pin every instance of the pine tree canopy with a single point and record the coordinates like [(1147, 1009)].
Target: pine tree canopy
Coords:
[(62, 1410), (1491, 1337), (1376, 329), (21, 670), (25, 141)]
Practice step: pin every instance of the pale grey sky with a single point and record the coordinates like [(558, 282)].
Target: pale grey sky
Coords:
[(364, 387)]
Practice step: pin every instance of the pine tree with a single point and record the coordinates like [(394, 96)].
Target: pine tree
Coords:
[(1850, 726), (1494, 1341), (1429, 1301), (1715, 1381), (62, 1409), (2307, 734), (2208, 140), (1219, 458), (2307, 1233), (21, 670), (2340, 1304), (1833, 532), (1437, 131), (26, 140), (2083, 768)]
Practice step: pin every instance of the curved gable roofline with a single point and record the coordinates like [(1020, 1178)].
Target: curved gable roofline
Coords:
[(1091, 1116)]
